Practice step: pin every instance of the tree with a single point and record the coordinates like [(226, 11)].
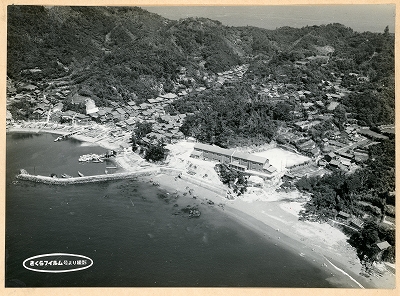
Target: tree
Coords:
[(156, 152), (134, 142), (282, 111), (386, 31), (365, 241), (142, 129), (233, 178)]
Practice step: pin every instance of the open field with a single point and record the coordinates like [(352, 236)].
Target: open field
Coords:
[(281, 158)]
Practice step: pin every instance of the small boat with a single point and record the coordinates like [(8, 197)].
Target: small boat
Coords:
[(65, 176), (80, 174)]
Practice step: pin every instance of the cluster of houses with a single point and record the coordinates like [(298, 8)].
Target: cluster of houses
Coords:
[(309, 112), (186, 84), (339, 148), (357, 224), (251, 164), (232, 76), (349, 220), (126, 115)]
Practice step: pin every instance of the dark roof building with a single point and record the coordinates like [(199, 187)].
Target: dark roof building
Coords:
[(235, 159), (343, 215)]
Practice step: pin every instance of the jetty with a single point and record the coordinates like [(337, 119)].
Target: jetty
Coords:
[(24, 175), (66, 136)]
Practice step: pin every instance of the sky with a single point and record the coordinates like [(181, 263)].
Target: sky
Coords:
[(361, 18)]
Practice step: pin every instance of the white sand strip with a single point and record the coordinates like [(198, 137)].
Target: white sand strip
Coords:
[(345, 273)]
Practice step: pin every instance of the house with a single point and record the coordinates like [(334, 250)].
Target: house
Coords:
[(305, 125), (82, 117), (356, 223), (182, 93), (333, 96), (387, 129), (78, 99), (345, 155), (94, 115), (152, 101), (345, 162), (307, 105), (169, 96), (288, 177), (91, 106), (383, 245), (8, 116), (334, 163), (332, 106), (120, 111), (107, 109), (371, 134), (144, 106), (28, 87), (343, 216), (301, 63), (307, 146), (130, 121), (115, 114), (360, 157)]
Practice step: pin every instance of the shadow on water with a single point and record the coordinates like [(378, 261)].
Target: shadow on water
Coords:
[(23, 136)]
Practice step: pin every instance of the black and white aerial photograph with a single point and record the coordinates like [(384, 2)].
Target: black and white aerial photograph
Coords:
[(200, 147)]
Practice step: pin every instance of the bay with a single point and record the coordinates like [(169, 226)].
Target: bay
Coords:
[(136, 234)]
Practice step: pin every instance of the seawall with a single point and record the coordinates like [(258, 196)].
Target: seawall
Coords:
[(119, 176), (86, 179)]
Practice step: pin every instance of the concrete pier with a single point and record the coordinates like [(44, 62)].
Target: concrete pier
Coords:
[(86, 179)]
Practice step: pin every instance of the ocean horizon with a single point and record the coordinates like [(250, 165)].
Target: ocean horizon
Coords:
[(358, 17)]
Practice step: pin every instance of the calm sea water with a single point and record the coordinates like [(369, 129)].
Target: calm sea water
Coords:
[(135, 233)]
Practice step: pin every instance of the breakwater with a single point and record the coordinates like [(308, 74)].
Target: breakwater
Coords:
[(86, 179), (24, 175)]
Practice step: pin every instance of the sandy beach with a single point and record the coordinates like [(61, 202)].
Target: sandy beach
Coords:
[(277, 219), (272, 214)]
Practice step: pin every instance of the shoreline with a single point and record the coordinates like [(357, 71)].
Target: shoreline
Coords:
[(267, 231), (343, 265), (271, 216)]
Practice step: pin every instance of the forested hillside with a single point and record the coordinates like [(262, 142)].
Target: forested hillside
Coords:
[(126, 53)]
